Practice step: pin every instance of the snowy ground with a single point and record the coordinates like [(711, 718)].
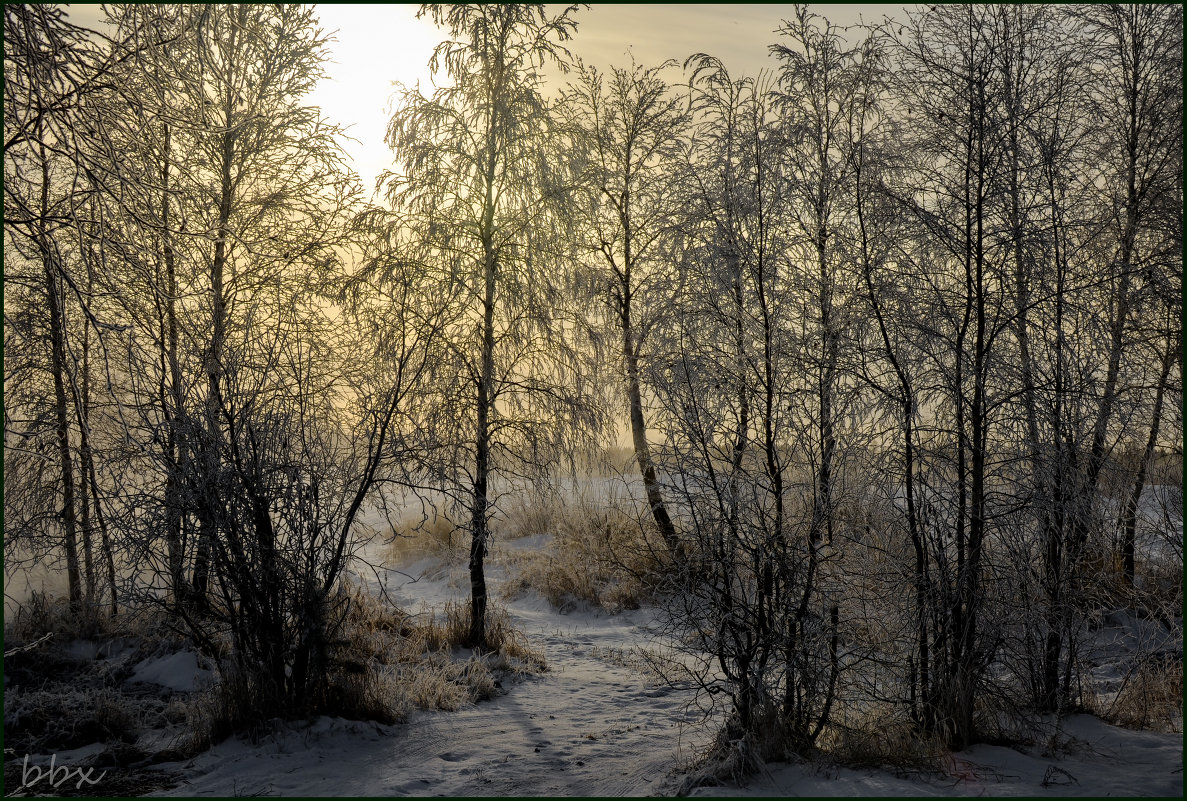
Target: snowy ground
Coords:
[(1096, 760), (590, 725), (593, 725)]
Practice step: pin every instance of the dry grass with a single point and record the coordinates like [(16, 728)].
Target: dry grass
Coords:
[(45, 614), (507, 647), (1150, 698), (882, 738), (375, 631), (528, 516), (1161, 588), (60, 718), (611, 460), (436, 535), (602, 556), (384, 663), (426, 673), (225, 709)]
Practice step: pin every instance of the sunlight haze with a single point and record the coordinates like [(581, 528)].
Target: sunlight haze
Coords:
[(785, 401), (376, 46)]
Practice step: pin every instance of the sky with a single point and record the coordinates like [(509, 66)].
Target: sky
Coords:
[(376, 45), (379, 44)]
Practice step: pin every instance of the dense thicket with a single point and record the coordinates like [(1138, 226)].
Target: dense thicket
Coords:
[(895, 329)]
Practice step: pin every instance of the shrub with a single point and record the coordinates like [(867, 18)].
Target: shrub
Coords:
[(605, 557), (437, 535), (1151, 696)]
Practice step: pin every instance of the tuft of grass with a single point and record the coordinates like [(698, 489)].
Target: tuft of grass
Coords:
[(59, 718), (507, 647), (438, 681), (436, 535), (602, 556), (226, 708), (1151, 697), (45, 614), (528, 517), (427, 674), (381, 663), (884, 739)]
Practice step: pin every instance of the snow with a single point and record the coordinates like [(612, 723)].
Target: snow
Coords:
[(178, 671), (595, 725), (1095, 759), (590, 725), (72, 757)]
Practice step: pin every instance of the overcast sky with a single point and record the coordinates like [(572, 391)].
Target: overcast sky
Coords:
[(379, 44)]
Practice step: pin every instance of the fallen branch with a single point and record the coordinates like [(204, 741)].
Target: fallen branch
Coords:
[(29, 647)]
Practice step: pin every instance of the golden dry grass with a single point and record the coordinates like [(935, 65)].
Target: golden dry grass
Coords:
[(435, 535), (603, 556), (385, 663), (881, 737), (1151, 697)]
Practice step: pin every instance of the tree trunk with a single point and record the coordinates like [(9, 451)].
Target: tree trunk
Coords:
[(1120, 312), (655, 498), (1129, 536), (480, 502), (57, 332), (65, 460), (82, 413), (171, 394), (823, 512), (214, 356)]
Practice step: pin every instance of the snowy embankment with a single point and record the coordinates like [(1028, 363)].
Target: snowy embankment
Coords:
[(1094, 759)]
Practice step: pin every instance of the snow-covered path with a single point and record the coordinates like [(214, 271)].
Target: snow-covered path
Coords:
[(590, 729), (591, 725)]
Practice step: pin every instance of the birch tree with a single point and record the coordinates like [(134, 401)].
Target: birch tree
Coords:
[(944, 77), (1136, 67), (50, 68), (477, 190), (634, 128)]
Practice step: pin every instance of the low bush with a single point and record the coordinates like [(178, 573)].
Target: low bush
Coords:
[(603, 556), (435, 535), (1151, 696)]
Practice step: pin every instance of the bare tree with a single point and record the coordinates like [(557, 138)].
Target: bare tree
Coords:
[(1137, 65), (760, 620), (823, 88), (945, 79), (50, 66), (476, 193), (634, 128)]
